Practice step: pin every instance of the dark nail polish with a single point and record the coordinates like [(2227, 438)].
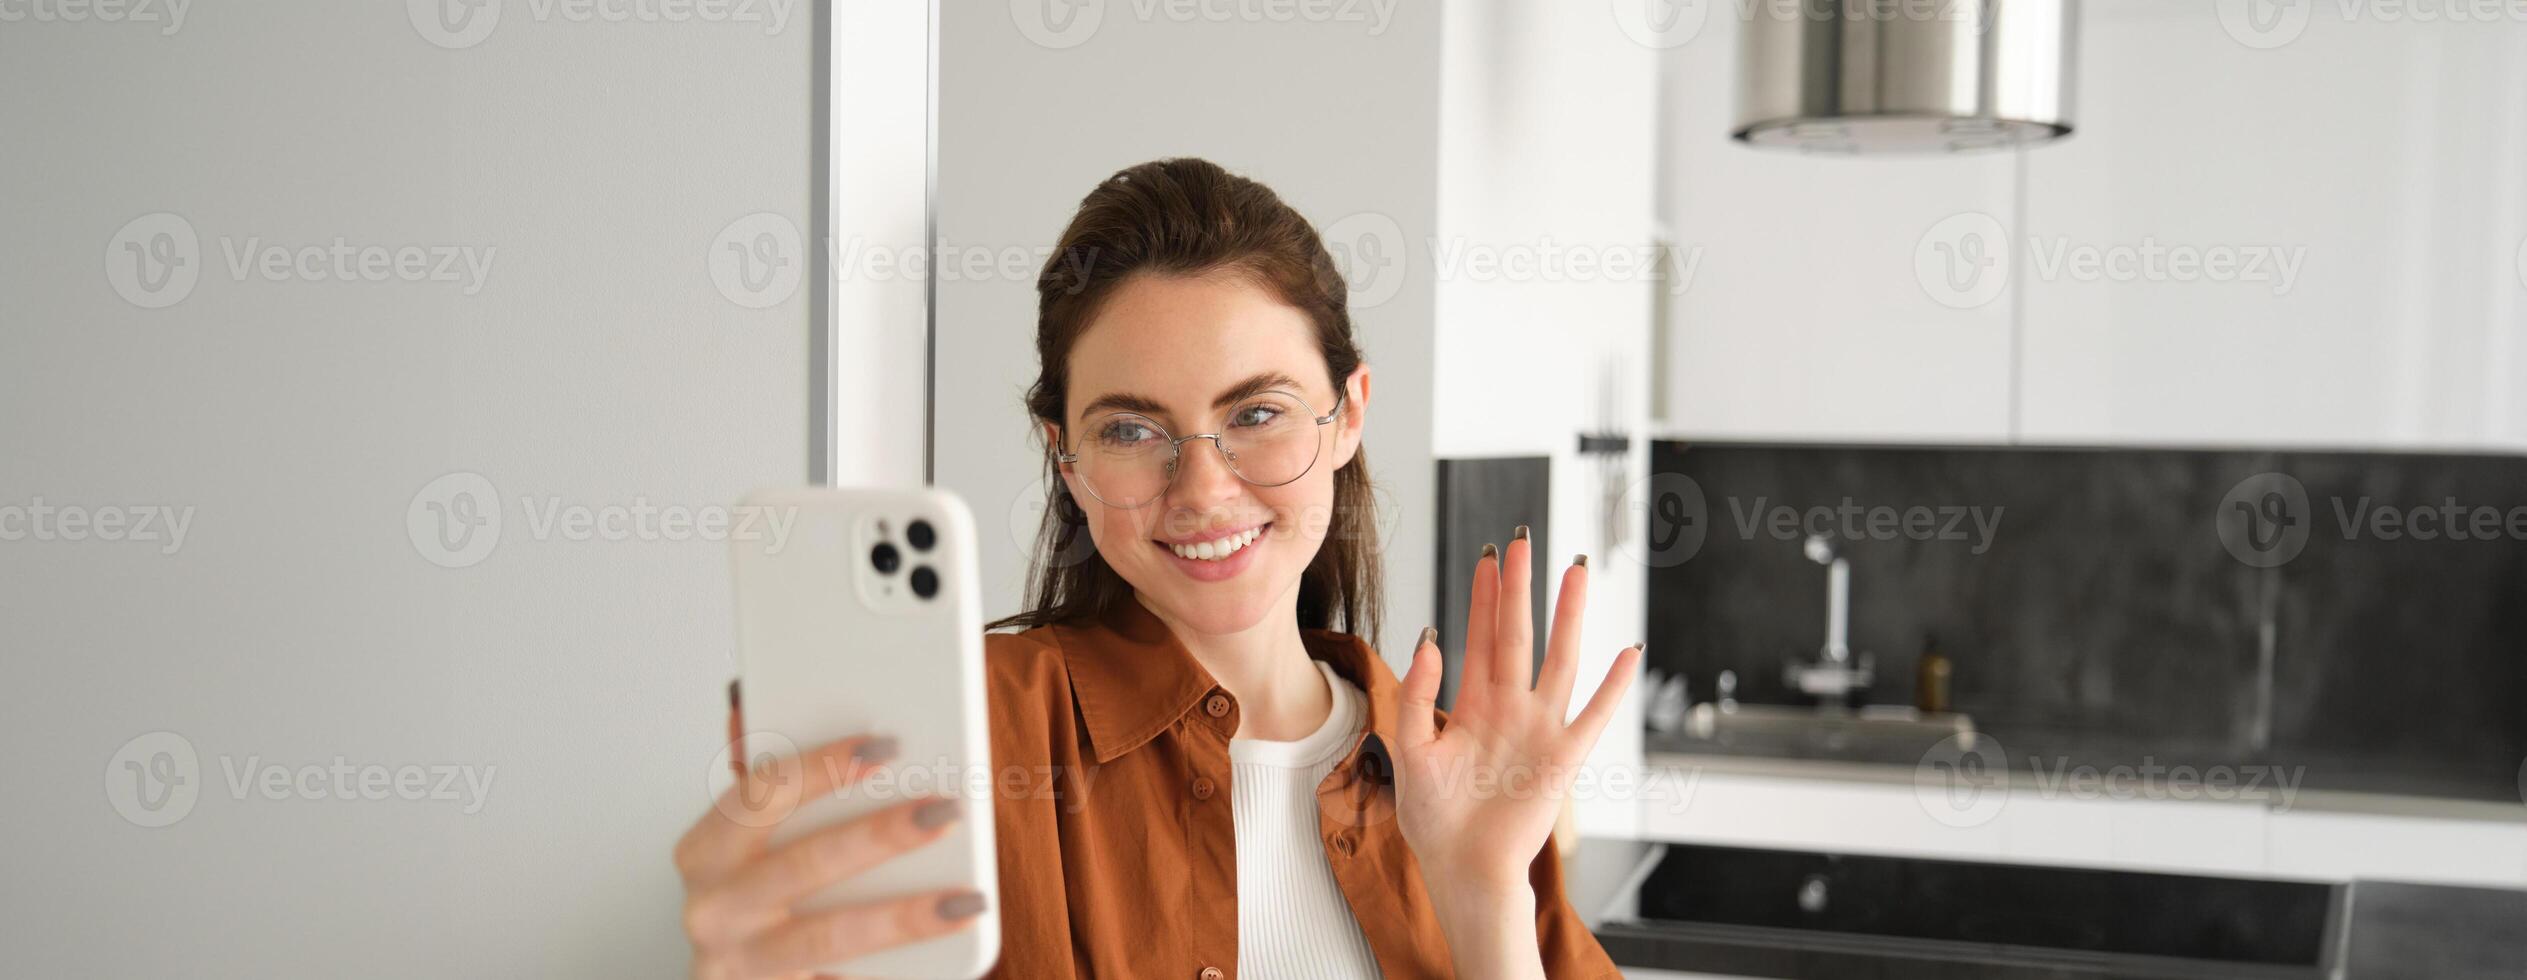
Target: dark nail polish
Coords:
[(962, 905), (877, 749), (732, 694), (1581, 561), (1429, 635), (1520, 534), (1489, 551), (934, 813)]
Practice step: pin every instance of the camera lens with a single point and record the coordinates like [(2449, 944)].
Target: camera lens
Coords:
[(886, 558), (920, 535), (925, 582)]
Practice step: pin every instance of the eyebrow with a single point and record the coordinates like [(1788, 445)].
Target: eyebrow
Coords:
[(1145, 405)]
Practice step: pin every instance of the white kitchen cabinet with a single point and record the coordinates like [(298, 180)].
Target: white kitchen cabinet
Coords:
[(2310, 238), (1805, 318), (2364, 179)]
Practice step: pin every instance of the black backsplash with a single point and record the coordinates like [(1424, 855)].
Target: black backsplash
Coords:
[(2103, 617)]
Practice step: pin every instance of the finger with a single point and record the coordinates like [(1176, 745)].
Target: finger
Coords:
[(1562, 646), (1513, 667), (853, 931), (1474, 676), (744, 815), (1420, 694), (760, 894), (1592, 719)]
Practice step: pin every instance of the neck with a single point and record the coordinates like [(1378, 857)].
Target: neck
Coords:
[(1280, 694)]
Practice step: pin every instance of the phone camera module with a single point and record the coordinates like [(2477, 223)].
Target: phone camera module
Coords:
[(925, 582), (920, 535), (886, 558)]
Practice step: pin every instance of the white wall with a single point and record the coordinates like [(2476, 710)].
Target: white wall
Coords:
[(1546, 180), (299, 621), (1340, 117)]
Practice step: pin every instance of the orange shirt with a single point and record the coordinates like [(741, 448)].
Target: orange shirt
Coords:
[(1121, 861)]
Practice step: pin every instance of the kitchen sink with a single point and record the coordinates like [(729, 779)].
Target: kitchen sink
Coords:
[(1888, 734)]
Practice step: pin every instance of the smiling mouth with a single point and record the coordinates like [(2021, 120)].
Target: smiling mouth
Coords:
[(1217, 549)]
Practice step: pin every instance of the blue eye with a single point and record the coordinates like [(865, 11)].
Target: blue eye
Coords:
[(1124, 432)]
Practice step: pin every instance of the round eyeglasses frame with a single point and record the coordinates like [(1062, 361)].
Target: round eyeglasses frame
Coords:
[(1175, 453)]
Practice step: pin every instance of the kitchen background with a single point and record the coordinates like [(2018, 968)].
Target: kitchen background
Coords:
[(2208, 411), (2179, 719)]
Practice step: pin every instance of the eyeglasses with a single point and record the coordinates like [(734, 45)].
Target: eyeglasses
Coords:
[(1126, 459)]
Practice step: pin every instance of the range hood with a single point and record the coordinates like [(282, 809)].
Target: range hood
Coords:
[(1905, 76)]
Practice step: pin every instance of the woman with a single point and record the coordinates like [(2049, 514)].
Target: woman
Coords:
[(1245, 789)]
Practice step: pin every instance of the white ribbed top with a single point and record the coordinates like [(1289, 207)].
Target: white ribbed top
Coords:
[(1292, 919)]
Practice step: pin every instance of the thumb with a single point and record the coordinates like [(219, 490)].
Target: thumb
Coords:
[(1420, 692)]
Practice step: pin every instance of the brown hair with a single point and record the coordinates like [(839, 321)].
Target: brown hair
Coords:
[(1189, 217)]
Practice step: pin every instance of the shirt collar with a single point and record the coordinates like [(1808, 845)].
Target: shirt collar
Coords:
[(1132, 678)]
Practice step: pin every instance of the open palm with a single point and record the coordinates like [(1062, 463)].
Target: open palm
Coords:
[(1480, 797)]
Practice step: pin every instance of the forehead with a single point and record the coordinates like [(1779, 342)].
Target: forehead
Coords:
[(1181, 340)]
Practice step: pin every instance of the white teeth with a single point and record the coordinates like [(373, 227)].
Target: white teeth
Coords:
[(1218, 548)]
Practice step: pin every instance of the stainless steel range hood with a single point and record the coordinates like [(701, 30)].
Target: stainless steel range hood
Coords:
[(1905, 76)]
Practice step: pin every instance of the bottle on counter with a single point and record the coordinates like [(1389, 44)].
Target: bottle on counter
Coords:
[(1930, 681)]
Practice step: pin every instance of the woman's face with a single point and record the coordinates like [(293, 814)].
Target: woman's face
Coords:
[(1189, 353)]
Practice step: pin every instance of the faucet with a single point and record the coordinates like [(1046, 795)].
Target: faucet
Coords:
[(1833, 677)]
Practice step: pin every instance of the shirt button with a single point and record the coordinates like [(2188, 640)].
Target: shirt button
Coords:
[(1217, 705), (1212, 973), (1202, 787)]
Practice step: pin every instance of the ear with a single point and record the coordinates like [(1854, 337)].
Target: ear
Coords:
[(1355, 416), (1053, 442)]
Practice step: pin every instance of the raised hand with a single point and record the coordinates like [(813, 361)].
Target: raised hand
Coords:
[(1477, 801)]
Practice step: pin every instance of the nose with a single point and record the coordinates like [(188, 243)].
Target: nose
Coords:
[(1203, 477)]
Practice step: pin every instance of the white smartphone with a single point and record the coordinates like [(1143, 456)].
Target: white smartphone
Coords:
[(865, 619)]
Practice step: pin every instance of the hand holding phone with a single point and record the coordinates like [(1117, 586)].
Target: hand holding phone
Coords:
[(860, 636)]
